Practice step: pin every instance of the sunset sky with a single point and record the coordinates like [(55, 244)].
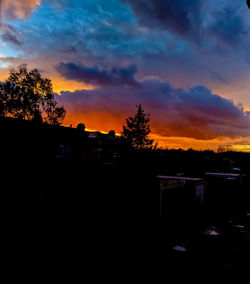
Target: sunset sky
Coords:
[(187, 62)]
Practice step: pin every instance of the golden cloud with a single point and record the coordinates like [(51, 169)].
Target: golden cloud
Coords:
[(19, 9)]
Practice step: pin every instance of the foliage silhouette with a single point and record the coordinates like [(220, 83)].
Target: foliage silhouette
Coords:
[(81, 127), (137, 130), (26, 95), (111, 133)]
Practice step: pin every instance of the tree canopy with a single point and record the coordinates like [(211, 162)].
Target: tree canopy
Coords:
[(27, 95), (81, 127), (137, 130)]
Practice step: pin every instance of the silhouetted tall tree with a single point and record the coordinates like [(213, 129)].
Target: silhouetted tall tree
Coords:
[(26, 95), (137, 130)]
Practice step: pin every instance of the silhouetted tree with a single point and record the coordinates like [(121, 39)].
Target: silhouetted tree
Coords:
[(248, 3), (111, 133), (3, 99), (26, 95), (81, 127), (137, 130)]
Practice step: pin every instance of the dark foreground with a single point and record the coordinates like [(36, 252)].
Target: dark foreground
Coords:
[(101, 232)]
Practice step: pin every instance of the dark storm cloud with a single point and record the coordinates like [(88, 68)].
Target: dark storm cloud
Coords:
[(194, 113), (194, 19), (96, 76), (10, 35), (182, 16), (228, 26)]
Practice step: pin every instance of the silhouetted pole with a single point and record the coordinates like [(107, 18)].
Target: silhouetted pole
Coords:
[(248, 3)]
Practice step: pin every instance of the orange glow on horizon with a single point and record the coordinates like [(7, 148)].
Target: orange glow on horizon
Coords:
[(105, 122), (60, 85), (185, 143)]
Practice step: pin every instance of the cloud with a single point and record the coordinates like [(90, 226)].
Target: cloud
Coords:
[(228, 26), (160, 37), (181, 17), (195, 20), (19, 9), (100, 33), (10, 35), (194, 113), (96, 76)]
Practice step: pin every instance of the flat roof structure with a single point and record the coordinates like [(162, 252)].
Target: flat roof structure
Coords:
[(180, 178)]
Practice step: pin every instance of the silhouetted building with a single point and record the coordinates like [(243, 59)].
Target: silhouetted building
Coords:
[(181, 196), (225, 191)]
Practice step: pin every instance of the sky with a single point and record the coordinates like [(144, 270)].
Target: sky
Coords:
[(187, 62)]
